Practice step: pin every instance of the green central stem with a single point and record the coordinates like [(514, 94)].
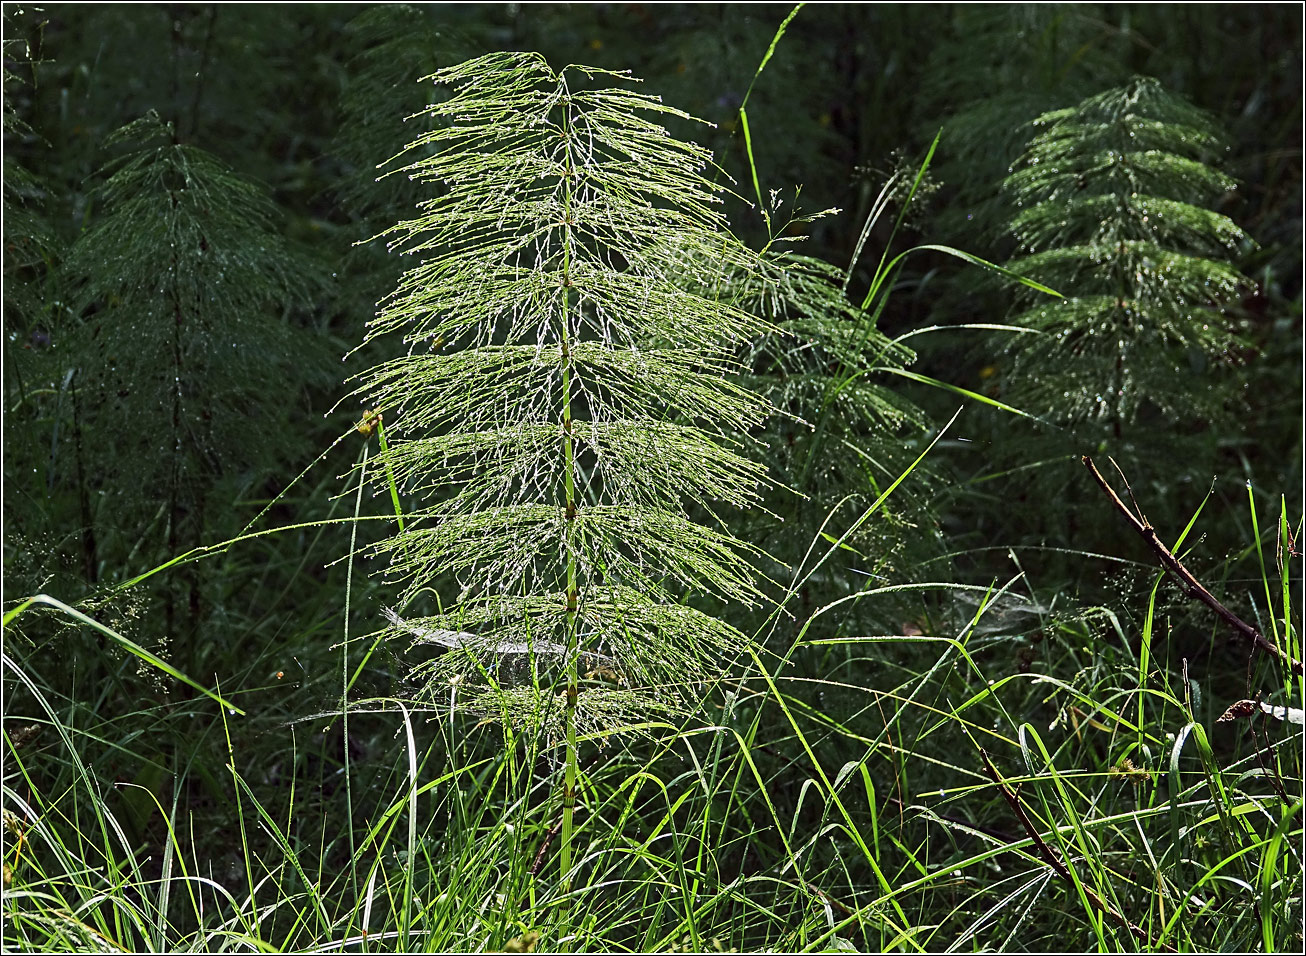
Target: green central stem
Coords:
[(569, 493)]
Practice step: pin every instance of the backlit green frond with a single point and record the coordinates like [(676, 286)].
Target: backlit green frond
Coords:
[(563, 415)]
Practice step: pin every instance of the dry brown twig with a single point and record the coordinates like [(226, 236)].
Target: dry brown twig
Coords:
[(1191, 585)]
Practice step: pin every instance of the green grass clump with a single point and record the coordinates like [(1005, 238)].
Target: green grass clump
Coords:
[(1010, 773)]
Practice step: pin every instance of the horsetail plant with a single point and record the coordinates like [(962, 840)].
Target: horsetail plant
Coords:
[(563, 412), (837, 435), (1114, 200)]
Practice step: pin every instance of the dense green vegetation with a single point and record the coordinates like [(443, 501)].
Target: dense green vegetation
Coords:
[(820, 478)]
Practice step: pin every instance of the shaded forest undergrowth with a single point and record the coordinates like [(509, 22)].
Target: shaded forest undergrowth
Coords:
[(953, 681)]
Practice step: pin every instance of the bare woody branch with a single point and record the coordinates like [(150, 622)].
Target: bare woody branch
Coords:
[(1191, 585)]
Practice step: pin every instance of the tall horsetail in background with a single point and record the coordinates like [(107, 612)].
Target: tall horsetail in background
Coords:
[(31, 251), (185, 288), (1115, 199), (562, 406), (1114, 205)]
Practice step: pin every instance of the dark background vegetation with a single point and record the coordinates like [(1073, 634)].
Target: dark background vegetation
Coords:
[(102, 482)]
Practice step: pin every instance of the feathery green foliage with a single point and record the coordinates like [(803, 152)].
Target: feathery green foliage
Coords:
[(186, 290), (834, 798), (563, 401), (1113, 196), (838, 436)]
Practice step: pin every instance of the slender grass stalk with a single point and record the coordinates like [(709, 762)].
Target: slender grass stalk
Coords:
[(129, 645), (345, 681), (389, 475)]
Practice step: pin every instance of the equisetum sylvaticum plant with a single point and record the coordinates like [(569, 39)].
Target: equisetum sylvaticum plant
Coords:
[(1114, 197), (563, 422)]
